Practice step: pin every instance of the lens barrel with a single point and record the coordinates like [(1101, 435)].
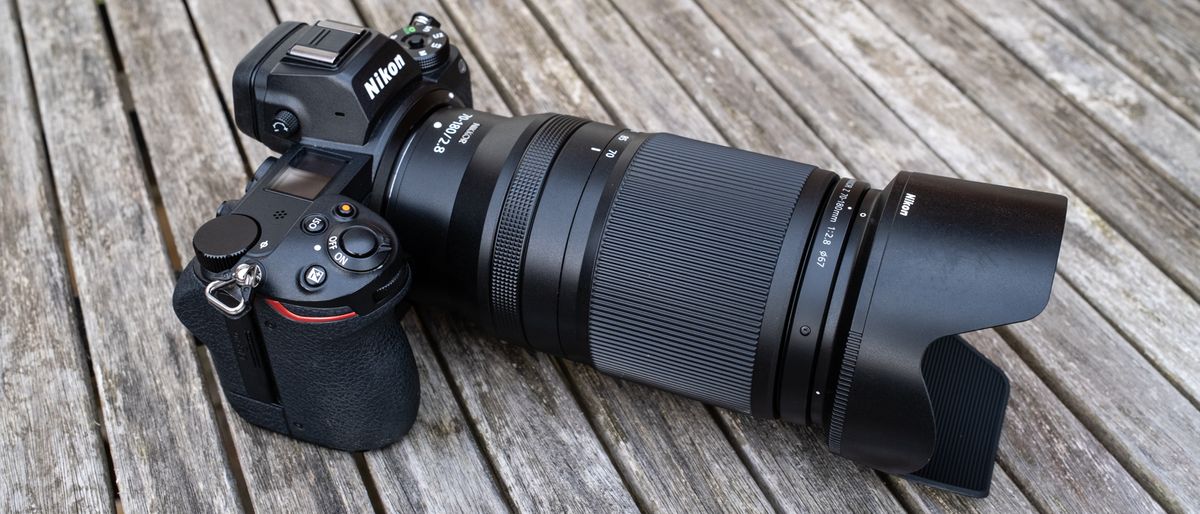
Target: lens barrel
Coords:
[(745, 281), (695, 268)]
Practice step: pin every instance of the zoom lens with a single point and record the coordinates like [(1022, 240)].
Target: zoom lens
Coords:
[(745, 281)]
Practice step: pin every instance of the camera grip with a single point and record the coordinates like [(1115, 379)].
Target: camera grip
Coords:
[(350, 384)]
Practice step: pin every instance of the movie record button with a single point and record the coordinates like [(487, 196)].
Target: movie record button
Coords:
[(345, 210), (314, 276)]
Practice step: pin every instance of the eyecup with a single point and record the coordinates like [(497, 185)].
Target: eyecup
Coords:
[(949, 256)]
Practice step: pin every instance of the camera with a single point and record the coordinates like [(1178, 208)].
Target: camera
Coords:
[(748, 282)]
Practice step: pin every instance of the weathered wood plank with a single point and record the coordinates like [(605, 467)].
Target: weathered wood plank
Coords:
[(164, 442), (672, 452), (437, 467), (1046, 123), (844, 112), (171, 88), (1014, 97), (227, 30), (1004, 498), (971, 144), (1115, 100), (50, 437), (706, 450), (1059, 464), (1117, 279), (545, 452), (798, 473), (283, 474), (1153, 55)]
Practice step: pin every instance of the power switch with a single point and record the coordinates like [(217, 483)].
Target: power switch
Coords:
[(325, 42)]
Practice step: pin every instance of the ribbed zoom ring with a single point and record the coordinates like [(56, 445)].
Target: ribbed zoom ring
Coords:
[(516, 216), (685, 265)]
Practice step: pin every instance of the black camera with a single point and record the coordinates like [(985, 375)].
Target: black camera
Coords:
[(745, 281)]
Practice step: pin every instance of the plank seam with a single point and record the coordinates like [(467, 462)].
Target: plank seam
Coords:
[(485, 450), (1170, 99), (1040, 372), (597, 92), (1108, 219), (490, 73), (591, 417), (60, 235), (1020, 485), (224, 431), (216, 86), (1113, 448), (360, 462), (1133, 149), (1133, 343), (723, 426), (796, 111), (172, 256)]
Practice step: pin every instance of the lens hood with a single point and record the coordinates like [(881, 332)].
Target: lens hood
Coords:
[(949, 256)]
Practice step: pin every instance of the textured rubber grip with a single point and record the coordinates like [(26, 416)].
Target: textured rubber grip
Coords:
[(516, 216), (685, 264), (351, 384)]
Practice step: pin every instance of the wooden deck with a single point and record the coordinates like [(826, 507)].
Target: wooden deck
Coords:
[(118, 142)]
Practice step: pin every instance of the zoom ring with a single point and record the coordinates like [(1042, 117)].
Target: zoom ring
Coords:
[(685, 265), (516, 216)]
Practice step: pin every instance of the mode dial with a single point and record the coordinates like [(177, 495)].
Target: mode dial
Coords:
[(426, 42), (223, 240)]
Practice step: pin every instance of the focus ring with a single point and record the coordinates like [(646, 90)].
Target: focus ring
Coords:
[(516, 215), (685, 265)]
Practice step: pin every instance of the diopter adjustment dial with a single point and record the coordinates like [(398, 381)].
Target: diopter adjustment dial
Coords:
[(425, 42)]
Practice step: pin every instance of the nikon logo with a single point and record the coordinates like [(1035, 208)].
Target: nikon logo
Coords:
[(382, 76), (909, 200)]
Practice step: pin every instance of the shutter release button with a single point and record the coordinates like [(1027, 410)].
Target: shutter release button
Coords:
[(359, 242)]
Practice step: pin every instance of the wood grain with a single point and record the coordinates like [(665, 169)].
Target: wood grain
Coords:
[(227, 30), (1045, 123), (282, 474), (545, 452), (1162, 57), (437, 467), (531, 427), (1115, 100), (1059, 464), (967, 140), (54, 456), (164, 442), (1004, 497)]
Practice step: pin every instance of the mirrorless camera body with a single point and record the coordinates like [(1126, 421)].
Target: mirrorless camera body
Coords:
[(748, 282)]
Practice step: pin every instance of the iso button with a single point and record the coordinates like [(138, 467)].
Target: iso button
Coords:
[(315, 224)]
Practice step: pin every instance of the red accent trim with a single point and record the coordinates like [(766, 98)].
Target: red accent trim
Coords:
[(283, 311)]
